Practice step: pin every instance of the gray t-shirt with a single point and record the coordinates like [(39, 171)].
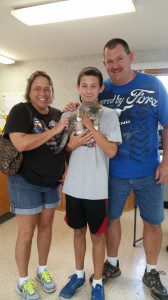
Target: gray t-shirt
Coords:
[(87, 175)]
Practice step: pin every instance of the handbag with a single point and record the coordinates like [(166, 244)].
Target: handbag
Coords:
[(10, 157)]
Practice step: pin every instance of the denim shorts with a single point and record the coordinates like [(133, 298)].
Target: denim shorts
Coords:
[(28, 199), (148, 197)]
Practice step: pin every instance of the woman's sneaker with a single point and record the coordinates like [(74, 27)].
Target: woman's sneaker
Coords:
[(45, 278), (152, 280), (73, 285), (27, 290), (97, 292)]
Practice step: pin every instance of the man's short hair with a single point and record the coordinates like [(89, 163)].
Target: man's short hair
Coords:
[(111, 44)]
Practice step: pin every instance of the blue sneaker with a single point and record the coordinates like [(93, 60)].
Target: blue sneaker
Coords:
[(72, 287), (97, 292)]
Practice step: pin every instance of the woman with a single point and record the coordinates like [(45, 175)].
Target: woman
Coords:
[(34, 128)]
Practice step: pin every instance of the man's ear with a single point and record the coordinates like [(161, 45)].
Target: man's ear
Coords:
[(102, 89), (131, 55)]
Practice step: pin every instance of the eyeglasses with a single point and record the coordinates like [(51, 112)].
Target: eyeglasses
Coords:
[(39, 89)]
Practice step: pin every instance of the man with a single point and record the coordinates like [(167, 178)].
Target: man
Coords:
[(141, 102)]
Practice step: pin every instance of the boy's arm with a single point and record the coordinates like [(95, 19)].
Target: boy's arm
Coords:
[(110, 148)]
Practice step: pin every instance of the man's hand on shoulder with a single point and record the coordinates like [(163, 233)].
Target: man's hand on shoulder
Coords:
[(71, 106)]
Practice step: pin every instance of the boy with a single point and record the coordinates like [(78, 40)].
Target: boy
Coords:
[(86, 185)]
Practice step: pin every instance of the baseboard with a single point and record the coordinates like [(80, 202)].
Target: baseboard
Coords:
[(6, 217)]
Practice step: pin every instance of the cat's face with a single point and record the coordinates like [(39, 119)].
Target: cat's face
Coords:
[(92, 110), (89, 89)]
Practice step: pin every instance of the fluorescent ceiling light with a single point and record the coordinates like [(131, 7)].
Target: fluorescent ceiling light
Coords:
[(6, 60), (69, 10)]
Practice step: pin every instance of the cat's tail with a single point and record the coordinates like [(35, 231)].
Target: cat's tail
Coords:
[(63, 143)]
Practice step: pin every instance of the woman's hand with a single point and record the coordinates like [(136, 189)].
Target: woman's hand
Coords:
[(62, 124), (79, 140)]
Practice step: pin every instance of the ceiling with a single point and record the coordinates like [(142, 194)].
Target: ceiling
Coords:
[(144, 30)]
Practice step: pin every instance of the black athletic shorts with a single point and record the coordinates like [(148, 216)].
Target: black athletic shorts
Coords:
[(80, 212)]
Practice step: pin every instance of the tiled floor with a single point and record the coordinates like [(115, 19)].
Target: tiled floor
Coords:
[(61, 261)]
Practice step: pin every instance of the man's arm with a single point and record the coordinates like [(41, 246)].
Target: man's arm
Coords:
[(162, 170)]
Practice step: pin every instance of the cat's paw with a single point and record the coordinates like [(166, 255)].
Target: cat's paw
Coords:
[(79, 119)]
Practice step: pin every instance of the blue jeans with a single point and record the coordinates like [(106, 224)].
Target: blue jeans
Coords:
[(27, 198), (148, 196)]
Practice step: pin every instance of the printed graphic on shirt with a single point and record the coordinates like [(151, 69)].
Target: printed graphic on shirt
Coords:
[(139, 96), (39, 126), (134, 111)]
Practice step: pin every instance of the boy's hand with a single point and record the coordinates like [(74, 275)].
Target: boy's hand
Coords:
[(87, 122), (79, 140), (71, 106)]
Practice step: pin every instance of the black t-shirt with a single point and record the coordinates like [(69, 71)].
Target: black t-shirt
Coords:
[(40, 166)]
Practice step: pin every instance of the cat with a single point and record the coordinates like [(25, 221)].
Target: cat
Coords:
[(75, 121), (92, 110)]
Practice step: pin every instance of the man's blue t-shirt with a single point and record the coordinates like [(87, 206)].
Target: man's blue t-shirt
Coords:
[(141, 104)]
